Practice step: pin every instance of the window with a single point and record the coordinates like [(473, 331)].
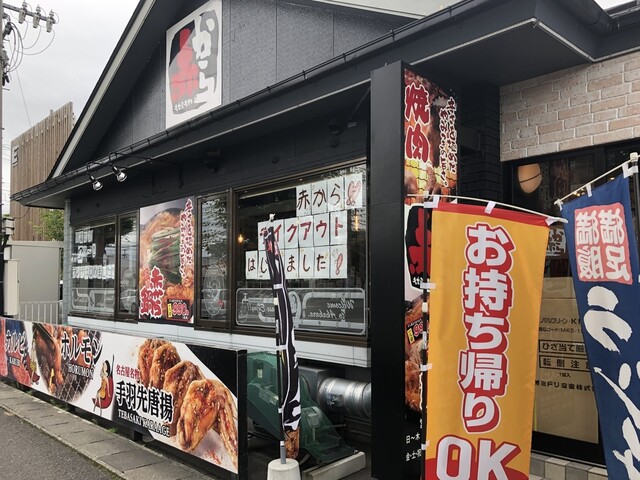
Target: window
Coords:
[(214, 241), (565, 411), (128, 288), (320, 227), (94, 269)]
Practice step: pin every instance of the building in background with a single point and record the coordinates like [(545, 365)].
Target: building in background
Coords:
[(33, 155)]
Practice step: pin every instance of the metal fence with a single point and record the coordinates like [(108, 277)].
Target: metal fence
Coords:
[(44, 312)]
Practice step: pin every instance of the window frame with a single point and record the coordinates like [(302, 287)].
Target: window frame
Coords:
[(118, 315), (259, 188), (114, 219), (545, 442), (200, 322)]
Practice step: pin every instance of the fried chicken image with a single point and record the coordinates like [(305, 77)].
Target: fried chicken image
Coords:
[(208, 404), (164, 357), (145, 357), (176, 382)]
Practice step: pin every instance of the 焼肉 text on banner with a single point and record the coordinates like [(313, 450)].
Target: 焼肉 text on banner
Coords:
[(604, 261), (484, 314)]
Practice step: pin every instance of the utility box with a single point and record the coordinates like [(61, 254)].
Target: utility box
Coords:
[(11, 288)]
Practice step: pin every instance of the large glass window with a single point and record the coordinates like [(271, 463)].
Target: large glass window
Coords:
[(320, 225), (128, 288), (94, 269), (214, 246), (564, 403)]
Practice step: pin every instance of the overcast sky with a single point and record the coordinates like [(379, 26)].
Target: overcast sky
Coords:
[(58, 67), (65, 65)]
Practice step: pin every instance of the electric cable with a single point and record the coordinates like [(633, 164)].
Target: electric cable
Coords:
[(53, 36), (24, 102)]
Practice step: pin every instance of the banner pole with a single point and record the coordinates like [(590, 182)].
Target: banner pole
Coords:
[(633, 156), (283, 450), (425, 342)]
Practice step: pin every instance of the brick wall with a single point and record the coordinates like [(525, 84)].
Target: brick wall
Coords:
[(569, 109)]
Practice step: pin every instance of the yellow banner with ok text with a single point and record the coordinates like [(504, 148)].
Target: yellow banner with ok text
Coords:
[(484, 310)]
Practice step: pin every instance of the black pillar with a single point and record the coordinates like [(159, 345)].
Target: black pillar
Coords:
[(386, 247)]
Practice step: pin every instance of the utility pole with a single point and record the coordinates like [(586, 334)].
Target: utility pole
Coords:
[(6, 225), (2, 66)]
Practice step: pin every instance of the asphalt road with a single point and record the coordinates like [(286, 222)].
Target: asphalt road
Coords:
[(28, 454)]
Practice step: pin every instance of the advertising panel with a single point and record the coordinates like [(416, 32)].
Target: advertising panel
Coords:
[(185, 396), (484, 310), (430, 159), (194, 64), (604, 258), (167, 261)]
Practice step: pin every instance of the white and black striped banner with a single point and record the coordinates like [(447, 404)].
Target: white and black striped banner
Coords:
[(285, 341)]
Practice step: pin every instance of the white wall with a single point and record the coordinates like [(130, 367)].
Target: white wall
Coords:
[(38, 270)]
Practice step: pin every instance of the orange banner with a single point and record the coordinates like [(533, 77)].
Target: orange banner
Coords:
[(484, 312)]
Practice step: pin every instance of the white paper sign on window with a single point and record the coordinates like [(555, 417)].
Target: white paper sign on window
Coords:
[(354, 192), (303, 200), (321, 230), (263, 266), (322, 262), (290, 260), (305, 263), (262, 228), (339, 261), (338, 227), (290, 233), (251, 265), (305, 231), (335, 194), (319, 197), (278, 230)]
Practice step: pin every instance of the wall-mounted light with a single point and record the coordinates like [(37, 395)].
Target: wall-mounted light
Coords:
[(529, 177), (121, 176), (240, 238), (96, 184)]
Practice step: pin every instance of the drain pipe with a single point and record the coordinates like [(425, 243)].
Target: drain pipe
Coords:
[(345, 396)]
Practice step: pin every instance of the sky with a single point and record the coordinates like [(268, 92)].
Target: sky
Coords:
[(65, 65), (58, 67)]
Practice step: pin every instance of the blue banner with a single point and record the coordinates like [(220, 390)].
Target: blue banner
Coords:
[(604, 263)]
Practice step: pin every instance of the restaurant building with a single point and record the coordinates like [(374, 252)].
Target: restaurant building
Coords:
[(277, 103)]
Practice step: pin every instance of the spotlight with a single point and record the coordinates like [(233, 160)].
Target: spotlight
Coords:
[(120, 175), (335, 127), (97, 184)]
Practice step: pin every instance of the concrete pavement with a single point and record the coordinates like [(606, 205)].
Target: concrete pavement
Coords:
[(123, 457)]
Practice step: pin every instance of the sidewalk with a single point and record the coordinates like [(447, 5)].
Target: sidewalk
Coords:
[(125, 458)]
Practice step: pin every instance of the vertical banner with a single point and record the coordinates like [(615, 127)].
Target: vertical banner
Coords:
[(484, 311), (430, 158), (167, 261), (194, 64), (604, 261), (289, 377), (189, 397)]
